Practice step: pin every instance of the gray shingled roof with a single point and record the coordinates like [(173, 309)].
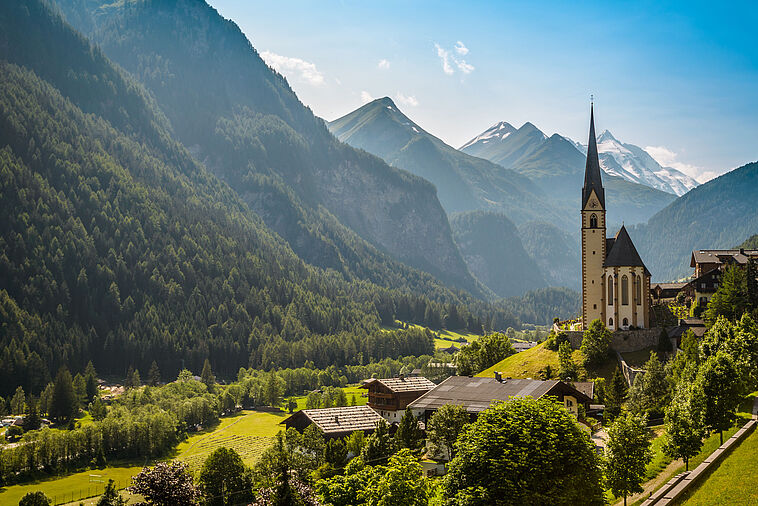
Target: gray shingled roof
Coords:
[(477, 394), (623, 253), (342, 419), (592, 177), (406, 384), (711, 256)]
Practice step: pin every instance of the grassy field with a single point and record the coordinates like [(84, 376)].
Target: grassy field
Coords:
[(446, 337), (733, 481), (350, 390), (527, 364)]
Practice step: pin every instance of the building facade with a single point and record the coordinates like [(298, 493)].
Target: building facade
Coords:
[(615, 281)]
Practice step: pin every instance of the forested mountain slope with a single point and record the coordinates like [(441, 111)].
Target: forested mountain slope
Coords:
[(490, 244), (717, 214), (556, 252), (117, 246), (464, 182), (242, 120)]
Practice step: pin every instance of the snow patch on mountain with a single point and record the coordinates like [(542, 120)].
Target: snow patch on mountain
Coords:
[(498, 131)]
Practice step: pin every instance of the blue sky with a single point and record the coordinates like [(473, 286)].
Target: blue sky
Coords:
[(681, 79)]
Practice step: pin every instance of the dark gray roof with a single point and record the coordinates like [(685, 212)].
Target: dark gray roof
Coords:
[(718, 256), (592, 177), (623, 253), (342, 419), (477, 394), (405, 384)]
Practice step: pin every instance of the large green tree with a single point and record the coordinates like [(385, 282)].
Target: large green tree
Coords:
[(627, 454), (615, 395), (166, 484), (718, 380), (224, 479), (484, 352), (731, 298), (524, 451), (444, 427), (595, 343), (408, 434), (685, 428), (65, 405)]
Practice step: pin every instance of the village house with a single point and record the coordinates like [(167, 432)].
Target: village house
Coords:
[(335, 422), (478, 394), (390, 396)]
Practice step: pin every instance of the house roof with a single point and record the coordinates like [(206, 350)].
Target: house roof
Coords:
[(670, 286), (338, 420), (404, 384), (585, 387), (592, 178), (719, 256), (477, 394), (623, 253)]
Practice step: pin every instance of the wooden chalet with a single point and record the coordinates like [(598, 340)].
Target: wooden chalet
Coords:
[(390, 396)]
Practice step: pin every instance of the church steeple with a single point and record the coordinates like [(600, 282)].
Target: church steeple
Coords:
[(592, 177)]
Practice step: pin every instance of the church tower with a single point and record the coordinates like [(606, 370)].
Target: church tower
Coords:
[(593, 234)]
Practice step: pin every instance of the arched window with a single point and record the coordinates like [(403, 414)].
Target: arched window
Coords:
[(626, 322), (624, 290), (610, 322), (593, 221), (639, 290), (610, 290)]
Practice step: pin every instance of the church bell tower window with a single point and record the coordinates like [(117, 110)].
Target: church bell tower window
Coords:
[(593, 221)]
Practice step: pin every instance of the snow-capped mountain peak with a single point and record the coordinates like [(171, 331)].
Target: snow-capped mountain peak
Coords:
[(499, 131), (606, 135)]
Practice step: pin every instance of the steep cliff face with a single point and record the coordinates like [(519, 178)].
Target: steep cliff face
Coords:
[(243, 121)]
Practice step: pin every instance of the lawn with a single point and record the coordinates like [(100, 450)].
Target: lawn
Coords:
[(360, 394), (445, 337), (249, 433), (527, 364), (733, 481)]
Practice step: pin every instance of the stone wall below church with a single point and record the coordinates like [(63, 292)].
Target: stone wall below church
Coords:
[(623, 341)]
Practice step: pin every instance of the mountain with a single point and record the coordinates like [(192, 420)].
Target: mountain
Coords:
[(557, 167), (464, 182), (336, 206), (119, 247), (716, 214), (490, 244), (750, 243), (556, 252), (636, 165)]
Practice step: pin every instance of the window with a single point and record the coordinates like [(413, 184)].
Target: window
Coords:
[(626, 322), (610, 290), (593, 221), (624, 290), (594, 306), (610, 322), (639, 290)]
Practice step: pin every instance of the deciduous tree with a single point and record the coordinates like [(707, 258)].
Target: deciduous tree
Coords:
[(408, 434), (224, 479), (685, 428), (615, 395), (166, 484), (444, 427), (719, 382), (595, 343), (627, 454)]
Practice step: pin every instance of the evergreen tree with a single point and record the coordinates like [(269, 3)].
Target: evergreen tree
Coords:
[(64, 404), (110, 496), (207, 376), (615, 395), (224, 479), (80, 390), (3, 406), (379, 444), (655, 386), (664, 343), (18, 401), (136, 381), (408, 434), (568, 370), (97, 409), (32, 420), (128, 380), (46, 399), (731, 298), (153, 375)]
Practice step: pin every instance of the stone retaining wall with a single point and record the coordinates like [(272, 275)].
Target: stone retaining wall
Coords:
[(622, 341), (677, 486)]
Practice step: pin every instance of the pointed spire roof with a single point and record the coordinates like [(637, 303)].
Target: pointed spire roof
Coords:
[(623, 253), (592, 177)]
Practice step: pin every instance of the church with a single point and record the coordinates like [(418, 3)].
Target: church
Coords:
[(615, 281)]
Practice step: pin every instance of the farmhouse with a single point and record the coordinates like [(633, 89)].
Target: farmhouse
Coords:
[(477, 394), (335, 422), (390, 396)]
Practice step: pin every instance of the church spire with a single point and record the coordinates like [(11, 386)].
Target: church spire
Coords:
[(592, 178)]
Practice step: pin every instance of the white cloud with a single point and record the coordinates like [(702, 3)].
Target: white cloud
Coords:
[(406, 100), (445, 58), (366, 97), (294, 68), (464, 67), (451, 62), (383, 64), (669, 158)]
